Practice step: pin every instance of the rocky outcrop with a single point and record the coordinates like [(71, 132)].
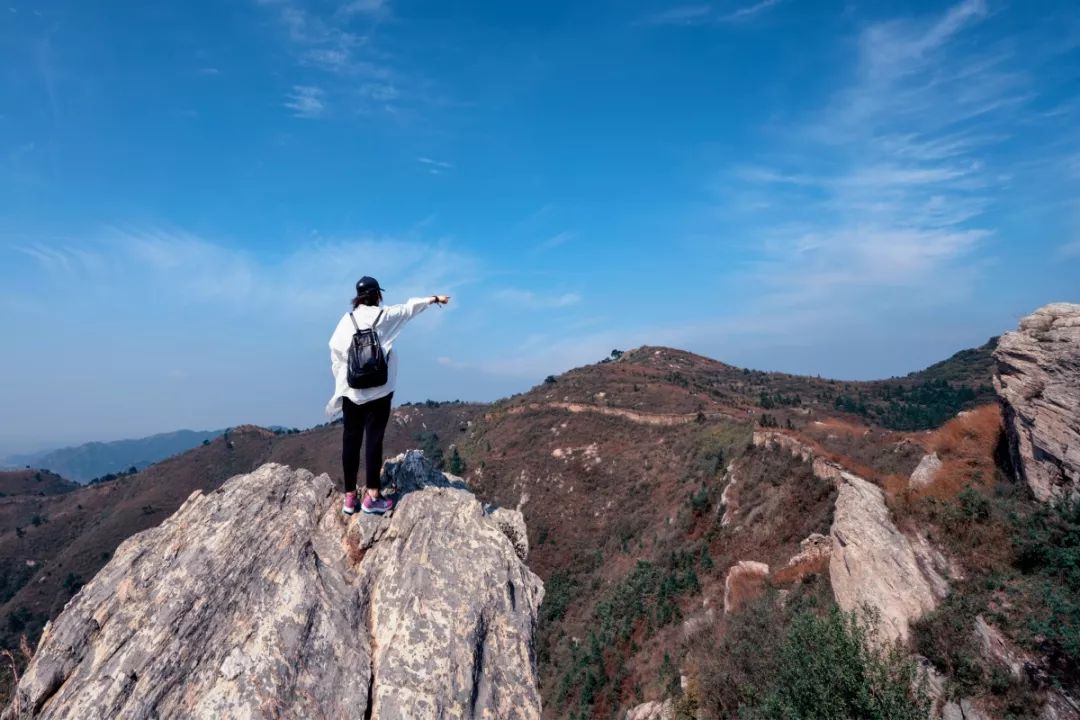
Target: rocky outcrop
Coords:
[(926, 471), (812, 558), (745, 581), (260, 600), (962, 710), (727, 497), (871, 563), (1038, 380), (654, 710)]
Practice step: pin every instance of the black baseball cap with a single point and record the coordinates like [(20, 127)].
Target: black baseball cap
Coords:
[(367, 284)]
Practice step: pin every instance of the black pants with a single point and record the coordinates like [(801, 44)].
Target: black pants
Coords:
[(364, 422)]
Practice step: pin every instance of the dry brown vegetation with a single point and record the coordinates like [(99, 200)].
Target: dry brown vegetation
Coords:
[(966, 446)]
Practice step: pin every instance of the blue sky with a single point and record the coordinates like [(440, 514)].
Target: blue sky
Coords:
[(189, 190)]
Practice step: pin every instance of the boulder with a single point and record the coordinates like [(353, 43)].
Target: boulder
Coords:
[(923, 475), (261, 600), (1037, 377), (655, 710)]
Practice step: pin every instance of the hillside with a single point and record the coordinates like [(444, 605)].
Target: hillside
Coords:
[(83, 463), (668, 499), (33, 482)]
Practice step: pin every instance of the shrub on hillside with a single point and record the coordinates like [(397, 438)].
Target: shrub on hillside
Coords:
[(803, 660), (1048, 550), (429, 445)]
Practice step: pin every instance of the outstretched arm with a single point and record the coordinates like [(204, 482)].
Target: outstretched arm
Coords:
[(394, 317)]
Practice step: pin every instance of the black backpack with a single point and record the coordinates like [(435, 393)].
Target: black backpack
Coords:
[(367, 361)]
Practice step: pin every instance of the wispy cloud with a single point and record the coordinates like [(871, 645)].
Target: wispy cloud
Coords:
[(889, 185), (555, 241), (62, 258), (435, 167), (330, 42), (535, 301), (185, 268), (680, 15), (363, 7), (707, 14), (306, 101), (748, 11)]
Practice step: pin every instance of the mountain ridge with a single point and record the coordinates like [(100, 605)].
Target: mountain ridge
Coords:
[(85, 462)]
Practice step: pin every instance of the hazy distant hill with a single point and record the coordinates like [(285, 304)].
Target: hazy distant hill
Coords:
[(83, 463)]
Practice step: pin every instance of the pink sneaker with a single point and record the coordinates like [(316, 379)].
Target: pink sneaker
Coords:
[(376, 506), (349, 507)]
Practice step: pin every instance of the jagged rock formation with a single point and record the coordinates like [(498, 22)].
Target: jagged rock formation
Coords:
[(870, 561), (259, 600), (1038, 381)]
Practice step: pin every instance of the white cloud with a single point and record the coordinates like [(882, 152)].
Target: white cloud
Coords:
[(330, 42), (435, 167), (708, 15), (749, 11), (536, 301), (889, 185), (306, 101), (681, 15), (362, 7), (317, 274)]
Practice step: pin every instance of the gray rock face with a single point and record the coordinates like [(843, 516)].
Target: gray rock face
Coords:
[(261, 600), (924, 475), (1038, 380), (871, 562)]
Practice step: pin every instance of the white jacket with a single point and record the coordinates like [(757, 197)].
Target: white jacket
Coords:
[(393, 319)]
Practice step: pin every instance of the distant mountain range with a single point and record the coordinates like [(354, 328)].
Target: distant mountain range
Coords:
[(83, 463)]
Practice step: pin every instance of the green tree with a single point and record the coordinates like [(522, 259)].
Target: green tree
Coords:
[(457, 465)]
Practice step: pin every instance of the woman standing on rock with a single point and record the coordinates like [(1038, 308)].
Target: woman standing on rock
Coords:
[(366, 407)]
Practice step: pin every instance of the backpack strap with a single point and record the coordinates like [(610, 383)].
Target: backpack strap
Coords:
[(373, 324)]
